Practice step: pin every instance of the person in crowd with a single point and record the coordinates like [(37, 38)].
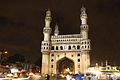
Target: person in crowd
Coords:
[(68, 77), (47, 77), (118, 78), (56, 76), (93, 77), (79, 76), (87, 77)]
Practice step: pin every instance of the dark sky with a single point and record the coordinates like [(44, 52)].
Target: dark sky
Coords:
[(22, 21)]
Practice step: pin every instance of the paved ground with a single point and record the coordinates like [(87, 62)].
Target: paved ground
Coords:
[(53, 78)]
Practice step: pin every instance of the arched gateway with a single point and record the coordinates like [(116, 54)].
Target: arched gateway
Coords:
[(65, 53), (65, 65)]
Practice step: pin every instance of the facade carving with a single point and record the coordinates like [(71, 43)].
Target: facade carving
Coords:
[(65, 53)]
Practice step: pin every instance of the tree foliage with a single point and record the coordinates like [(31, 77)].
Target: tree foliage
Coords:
[(16, 58), (38, 62)]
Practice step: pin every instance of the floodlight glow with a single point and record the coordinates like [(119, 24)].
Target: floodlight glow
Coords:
[(14, 70)]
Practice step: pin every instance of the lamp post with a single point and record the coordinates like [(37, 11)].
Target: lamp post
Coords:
[(1, 54)]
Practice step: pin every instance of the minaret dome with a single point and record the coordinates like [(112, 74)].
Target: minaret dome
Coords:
[(56, 32)]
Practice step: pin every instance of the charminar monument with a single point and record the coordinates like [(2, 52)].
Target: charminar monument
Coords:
[(65, 53)]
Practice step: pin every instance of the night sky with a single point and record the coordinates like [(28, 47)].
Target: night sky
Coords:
[(22, 22)]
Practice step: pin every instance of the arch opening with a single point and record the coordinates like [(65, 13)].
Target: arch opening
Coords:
[(65, 65)]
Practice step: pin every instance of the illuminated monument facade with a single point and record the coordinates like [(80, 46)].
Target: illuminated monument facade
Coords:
[(65, 53)]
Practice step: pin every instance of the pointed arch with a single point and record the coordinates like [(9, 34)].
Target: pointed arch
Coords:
[(65, 65)]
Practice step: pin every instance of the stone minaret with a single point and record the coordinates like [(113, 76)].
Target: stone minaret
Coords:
[(85, 42), (45, 46), (56, 32), (84, 27)]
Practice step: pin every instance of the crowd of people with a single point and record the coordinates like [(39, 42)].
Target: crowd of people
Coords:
[(80, 77), (72, 77), (90, 77)]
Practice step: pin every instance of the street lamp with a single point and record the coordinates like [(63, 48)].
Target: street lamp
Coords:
[(1, 54)]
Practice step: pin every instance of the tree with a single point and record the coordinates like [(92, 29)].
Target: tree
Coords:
[(38, 62), (16, 58)]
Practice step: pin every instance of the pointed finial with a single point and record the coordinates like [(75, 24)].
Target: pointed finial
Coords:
[(56, 26), (56, 32), (48, 13), (83, 15), (83, 9)]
